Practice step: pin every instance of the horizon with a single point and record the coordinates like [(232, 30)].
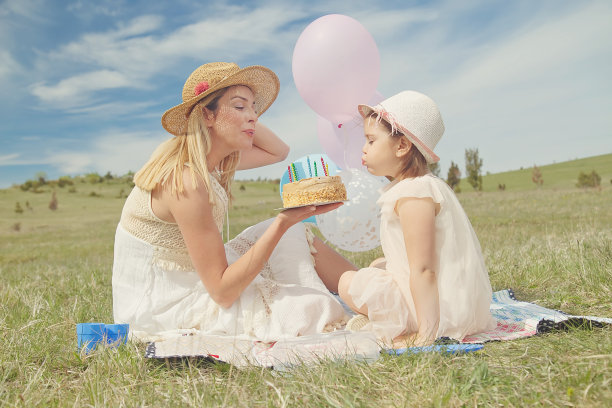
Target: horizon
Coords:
[(85, 85), (274, 178)]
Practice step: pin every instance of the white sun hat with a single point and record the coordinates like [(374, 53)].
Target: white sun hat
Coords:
[(415, 115)]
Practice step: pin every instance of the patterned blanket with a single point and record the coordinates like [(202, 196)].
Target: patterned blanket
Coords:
[(515, 319)]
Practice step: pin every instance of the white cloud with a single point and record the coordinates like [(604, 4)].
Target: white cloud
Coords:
[(29, 9), (76, 90), (134, 52), (117, 152), (9, 159), (8, 65)]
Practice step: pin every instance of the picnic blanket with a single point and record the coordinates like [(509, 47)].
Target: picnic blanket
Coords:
[(278, 354), (515, 320)]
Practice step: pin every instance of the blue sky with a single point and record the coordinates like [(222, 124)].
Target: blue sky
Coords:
[(84, 83)]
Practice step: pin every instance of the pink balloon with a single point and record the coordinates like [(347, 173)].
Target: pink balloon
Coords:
[(344, 144), (336, 65)]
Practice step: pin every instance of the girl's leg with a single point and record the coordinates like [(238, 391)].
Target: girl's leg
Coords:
[(343, 287), (330, 265)]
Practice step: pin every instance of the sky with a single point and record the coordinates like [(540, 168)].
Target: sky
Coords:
[(84, 83)]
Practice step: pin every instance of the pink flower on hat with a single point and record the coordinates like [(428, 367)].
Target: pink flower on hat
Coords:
[(201, 87)]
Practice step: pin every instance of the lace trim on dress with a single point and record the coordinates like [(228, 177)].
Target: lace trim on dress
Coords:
[(170, 251), (172, 260), (310, 236), (241, 245)]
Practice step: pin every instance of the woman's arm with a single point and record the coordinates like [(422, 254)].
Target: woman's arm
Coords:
[(267, 149), (193, 214), (417, 218)]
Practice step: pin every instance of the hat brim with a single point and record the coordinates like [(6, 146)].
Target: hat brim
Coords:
[(262, 81), (366, 110)]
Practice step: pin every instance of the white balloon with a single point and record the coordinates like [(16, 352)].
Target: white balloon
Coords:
[(355, 226)]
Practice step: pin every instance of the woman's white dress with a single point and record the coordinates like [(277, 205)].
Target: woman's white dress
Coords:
[(157, 291), (464, 289)]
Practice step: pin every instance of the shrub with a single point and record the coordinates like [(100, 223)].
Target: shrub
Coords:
[(454, 177), (64, 181), (501, 187), (536, 176), (589, 180), (53, 202), (94, 178), (18, 208)]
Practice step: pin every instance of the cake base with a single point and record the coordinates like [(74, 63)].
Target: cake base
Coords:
[(314, 191)]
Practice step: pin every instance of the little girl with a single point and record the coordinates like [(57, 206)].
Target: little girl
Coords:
[(433, 281)]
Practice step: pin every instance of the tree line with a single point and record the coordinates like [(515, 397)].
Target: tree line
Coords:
[(473, 170)]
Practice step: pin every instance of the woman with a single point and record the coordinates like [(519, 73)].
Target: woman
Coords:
[(171, 269)]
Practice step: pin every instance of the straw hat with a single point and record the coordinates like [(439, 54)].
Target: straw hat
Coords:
[(211, 77), (416, 116)]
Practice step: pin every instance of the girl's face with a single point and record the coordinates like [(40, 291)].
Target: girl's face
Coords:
[(380, 151), (233, 123)]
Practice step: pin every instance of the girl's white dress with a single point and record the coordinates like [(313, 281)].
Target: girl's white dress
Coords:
[(157, 291), (464, 289)]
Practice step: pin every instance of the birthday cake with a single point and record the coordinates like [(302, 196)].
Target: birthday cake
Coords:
[(314, 190)]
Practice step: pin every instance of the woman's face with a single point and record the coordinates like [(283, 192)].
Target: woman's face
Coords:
[(233, 123)]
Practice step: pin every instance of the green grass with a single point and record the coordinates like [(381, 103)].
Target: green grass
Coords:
[(555, 176), (553, 246)]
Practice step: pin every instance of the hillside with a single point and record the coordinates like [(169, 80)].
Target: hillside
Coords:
[(556, 176)]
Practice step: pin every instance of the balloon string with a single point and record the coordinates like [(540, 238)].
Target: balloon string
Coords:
[(345, 149)]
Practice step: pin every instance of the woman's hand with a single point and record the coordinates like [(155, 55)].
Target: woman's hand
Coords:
[(292, 216)]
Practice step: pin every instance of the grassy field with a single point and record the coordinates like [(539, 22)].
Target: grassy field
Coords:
[(555, 176), (553, 246)]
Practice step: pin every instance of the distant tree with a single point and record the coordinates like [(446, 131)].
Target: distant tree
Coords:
[(435, 168), (454, 177), (108, 176), (93, 178), (18, 208), (473, 168), (64, 181), (242, 187), (536, 176), (42, 177), (53, 202), (589, 180)]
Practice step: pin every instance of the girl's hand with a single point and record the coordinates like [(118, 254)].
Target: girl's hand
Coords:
[(292, 216)]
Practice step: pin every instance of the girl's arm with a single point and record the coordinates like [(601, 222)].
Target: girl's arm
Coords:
[(267, 149), (193, 214), (417, 218)]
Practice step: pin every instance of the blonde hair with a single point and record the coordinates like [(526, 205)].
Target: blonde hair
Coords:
[(167, 162)]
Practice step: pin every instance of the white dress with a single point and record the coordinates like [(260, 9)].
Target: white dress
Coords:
[(464, 289), (157, 291)]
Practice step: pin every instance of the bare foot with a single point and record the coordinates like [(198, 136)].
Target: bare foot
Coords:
[(411, 340)]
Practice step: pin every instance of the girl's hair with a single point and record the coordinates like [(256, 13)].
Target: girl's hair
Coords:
[(190, 149), (414, 163)]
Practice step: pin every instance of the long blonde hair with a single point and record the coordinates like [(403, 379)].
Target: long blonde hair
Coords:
[(167, 161)]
